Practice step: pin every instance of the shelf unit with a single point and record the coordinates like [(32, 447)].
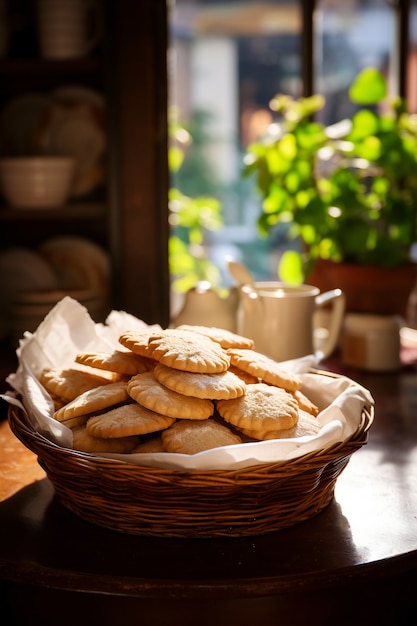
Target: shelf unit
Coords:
[(128, 214)]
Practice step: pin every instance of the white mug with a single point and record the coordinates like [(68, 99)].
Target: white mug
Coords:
[(68, 29), (280, 319)]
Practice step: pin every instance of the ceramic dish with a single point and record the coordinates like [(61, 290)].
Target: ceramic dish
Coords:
[(74, 127), (23, 270), (36, 182), (78, 262)]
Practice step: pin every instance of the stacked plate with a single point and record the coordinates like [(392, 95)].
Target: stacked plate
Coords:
[(32, 282)]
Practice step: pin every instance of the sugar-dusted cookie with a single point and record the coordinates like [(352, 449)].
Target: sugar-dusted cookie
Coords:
[(94, 400), (68, 383), (245, 376), (188, 351), (305, 403), (119, 361), (265, 368), (137, 340), (127, 420), (263, 407), (193, 436), (147, 391), (224, 337), (210, 386), (153, 444), (73, 422), (307, 425), (84, 442)]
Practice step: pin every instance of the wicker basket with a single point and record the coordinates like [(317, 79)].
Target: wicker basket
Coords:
[(143, 500)]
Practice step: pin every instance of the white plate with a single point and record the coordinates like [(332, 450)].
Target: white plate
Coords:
[(75, 127), (79, 263)]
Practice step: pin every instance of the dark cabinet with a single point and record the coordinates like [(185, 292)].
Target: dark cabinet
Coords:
[(124, 211)]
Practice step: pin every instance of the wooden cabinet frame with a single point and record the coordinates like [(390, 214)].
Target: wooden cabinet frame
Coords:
[(138, 172)]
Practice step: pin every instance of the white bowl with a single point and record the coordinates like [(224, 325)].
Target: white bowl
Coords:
[(36, 182)]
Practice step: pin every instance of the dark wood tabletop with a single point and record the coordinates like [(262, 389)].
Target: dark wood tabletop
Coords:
[(354, 563)]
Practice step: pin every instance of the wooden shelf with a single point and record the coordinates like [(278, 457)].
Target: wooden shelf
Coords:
[(38, 66), (76, 211)]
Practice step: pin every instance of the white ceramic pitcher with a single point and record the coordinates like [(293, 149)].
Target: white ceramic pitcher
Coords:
[(280, 319), (203, 306)]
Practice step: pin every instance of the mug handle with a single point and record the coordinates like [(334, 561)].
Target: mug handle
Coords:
[(337, 299)]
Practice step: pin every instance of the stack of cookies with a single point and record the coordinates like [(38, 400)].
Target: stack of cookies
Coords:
[(181, 390)]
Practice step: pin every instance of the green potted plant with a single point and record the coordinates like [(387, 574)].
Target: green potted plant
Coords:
[(348, 191)]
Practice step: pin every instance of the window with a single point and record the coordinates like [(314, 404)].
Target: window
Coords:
[(228, 59)]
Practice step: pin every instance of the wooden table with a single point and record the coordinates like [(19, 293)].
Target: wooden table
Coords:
[(354, 563)]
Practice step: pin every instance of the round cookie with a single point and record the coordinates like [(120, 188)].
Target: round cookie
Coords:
[(127, 420), (307, 425), (261, 366), (94, 400), (305, 403), (137, 340), (263, 407), (193, 436), (154, 444), (118, 361), (67, 384), (147, 391), (188, 352), (210, 386), (245, 376), (73, 422), (84, 442), (224, 337)]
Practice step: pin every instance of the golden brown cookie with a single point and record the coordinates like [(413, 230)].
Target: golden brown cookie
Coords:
[(147, 391), (249, 379), (73, 422), (153, 444), (188, 352), (66, 384), (84, 442), (263, 407), (127, 420), (224, 337), (193, 436), (268, 370), (137, 340), (94, 400), (307, 425), (305, 403), (121, 362), (210, 386)]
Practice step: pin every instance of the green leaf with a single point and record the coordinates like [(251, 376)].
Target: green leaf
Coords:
[(369, 87), (290, 269), (364, 124), (175, 158)]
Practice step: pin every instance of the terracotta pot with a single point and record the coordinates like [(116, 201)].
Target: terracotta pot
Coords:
[(368, 288)]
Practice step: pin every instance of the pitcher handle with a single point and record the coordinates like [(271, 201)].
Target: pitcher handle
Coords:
[(336, 297)]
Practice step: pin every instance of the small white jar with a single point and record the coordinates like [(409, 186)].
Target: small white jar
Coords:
[(371, 342)]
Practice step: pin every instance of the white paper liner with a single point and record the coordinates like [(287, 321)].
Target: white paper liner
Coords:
[(69, 329)]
